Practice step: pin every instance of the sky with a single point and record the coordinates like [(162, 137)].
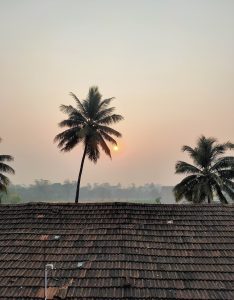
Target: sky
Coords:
[(168, 63)]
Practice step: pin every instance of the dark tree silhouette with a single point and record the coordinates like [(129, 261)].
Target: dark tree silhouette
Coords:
[(4, 168), (88, 124), (212, 174)]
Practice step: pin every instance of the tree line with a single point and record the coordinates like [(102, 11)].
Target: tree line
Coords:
[(89, 124), (43, 190)]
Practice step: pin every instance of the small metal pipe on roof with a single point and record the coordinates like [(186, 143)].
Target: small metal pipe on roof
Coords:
[(47, 267)]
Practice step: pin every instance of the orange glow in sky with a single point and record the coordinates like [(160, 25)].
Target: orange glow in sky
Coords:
[(169, 65)]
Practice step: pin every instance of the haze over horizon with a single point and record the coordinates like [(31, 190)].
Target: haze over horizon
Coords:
[(169, 64)]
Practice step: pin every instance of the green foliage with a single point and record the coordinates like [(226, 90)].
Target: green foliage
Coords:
[(43, 190), (157, 200), (4, 168), (211, 175), (10, 198)]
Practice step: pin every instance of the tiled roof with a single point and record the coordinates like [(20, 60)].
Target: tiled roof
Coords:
[(117, 251)]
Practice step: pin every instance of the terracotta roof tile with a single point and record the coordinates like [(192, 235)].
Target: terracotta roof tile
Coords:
[(116, 251)]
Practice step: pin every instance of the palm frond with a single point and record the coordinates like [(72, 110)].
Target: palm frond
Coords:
[(223, 162), (201, 191), (68, 109), (94, 94), (229, 146), (3, 188), (6, 158), (204, 151), (221, 196), (6, 169), (69, 144), (218, 150), (104, 113), (205, 142), (108, 138), (104, 103), (193, 188), (184, 188), (4, 180), (91, 104), (188, 149), (68, 139), (109, 130), (185, 168), (215, 179), (204, 156), (72, 122), (229, 183), (192, 153), (79, 103), (93, 151), (229, 191), (111, 119), (227, 174), (104, 146)]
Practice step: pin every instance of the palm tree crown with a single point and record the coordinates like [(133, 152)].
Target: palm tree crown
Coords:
[(212, 174), (4, 168), (88, 123)]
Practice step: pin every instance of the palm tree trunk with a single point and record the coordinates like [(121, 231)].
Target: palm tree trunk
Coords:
[(80, 173), (210, 197)]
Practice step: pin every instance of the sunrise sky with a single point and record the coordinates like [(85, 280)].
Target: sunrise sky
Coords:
[(169, 63)]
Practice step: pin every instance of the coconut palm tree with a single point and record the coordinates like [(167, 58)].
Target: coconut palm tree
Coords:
[(4, 168), (212, 173), (88, 124)]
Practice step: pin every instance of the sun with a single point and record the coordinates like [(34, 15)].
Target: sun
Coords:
[(116, 148)]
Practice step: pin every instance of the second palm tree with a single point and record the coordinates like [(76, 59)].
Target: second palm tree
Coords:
[(5, 168), (212, 173)]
